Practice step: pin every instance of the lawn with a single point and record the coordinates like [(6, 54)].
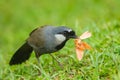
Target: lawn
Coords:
[(101, 17)]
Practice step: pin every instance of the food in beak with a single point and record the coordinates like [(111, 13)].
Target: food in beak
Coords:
[(81, 46)]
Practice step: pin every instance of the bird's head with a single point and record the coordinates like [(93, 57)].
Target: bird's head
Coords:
[(63, 33)]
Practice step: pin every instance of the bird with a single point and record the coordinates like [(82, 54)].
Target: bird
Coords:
[(43, 40)]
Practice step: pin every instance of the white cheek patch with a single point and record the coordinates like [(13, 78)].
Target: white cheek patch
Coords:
[(60, 38)]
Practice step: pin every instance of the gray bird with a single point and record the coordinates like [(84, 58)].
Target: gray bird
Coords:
[(43, 40)]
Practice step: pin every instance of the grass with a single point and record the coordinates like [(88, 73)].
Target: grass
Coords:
[(101, 17)]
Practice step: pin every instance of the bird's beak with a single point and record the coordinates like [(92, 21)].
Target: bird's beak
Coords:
[(73, 37)]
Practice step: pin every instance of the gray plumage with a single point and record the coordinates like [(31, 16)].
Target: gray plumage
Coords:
[(43, 40)]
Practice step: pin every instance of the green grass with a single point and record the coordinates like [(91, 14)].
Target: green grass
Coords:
[(101, 17)]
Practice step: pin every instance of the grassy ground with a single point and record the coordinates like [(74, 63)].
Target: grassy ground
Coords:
[(101, 17)]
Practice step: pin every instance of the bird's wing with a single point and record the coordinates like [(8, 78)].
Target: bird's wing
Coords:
[(36, 38)]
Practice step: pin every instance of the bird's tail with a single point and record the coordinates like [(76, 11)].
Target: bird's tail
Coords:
[(22, 54)]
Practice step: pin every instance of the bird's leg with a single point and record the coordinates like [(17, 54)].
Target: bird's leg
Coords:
[(40, 68), (37, 56), (38, 63), (56, 60)]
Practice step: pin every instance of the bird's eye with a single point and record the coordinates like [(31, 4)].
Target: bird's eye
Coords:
[(65, 32), (72, 33)]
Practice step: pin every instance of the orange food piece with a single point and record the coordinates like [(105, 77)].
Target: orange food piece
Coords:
[(80, 47)]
